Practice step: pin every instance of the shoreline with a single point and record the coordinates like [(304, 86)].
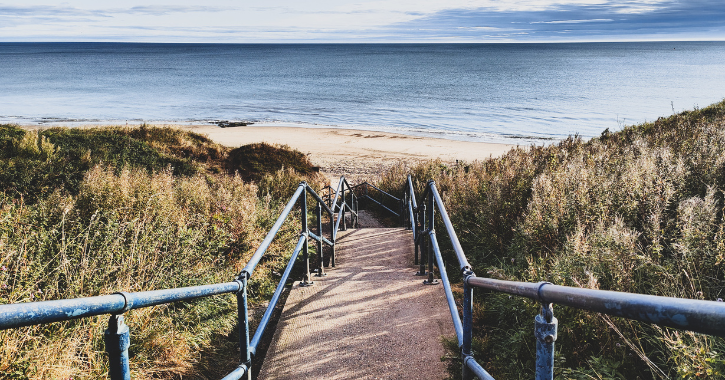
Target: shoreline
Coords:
[(358, 154)]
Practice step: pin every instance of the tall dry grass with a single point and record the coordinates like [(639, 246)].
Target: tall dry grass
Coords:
[(131, 228), (640, 210)]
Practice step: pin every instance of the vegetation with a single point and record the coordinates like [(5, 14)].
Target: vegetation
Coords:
[(639, 210), (86, 212)]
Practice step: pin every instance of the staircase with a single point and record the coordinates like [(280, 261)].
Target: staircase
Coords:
[(371, 317)]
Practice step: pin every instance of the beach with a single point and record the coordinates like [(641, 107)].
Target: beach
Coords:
[(357, 154)]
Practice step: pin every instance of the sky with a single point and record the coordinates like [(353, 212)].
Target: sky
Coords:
[(304, 21)]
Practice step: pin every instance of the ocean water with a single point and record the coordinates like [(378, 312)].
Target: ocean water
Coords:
[(515, 93)]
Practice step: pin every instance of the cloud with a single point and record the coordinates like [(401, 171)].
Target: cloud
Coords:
[(46, 10), (573, 21), (611, 18), (254, 21), (74, 12), (161, 10)]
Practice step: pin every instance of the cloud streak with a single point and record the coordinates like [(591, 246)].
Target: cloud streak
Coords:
[(68, 11)]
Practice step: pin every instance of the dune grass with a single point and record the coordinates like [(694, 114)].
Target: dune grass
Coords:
[(638, 210), (86, 212)]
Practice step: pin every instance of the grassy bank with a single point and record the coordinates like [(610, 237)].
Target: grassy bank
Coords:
[(639, 210), (86, 212)]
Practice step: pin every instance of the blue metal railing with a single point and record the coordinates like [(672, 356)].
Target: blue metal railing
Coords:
[(393, 201), (117, 335), (706, 317)]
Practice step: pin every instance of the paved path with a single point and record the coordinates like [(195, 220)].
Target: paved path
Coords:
[(369, 318)]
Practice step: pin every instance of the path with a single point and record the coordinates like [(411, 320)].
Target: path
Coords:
[(369, 318)]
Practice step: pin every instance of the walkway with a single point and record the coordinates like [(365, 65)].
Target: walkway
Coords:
[(369, 318)]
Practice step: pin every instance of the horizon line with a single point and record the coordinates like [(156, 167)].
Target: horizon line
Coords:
[(369, 42)]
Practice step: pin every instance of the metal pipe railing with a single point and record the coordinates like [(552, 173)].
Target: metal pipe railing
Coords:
[(342, 188), (34, 313), (367, 184), (117, 336), (462, 261), (457, 325), (411, 192), (320, 238), (385, 207), (366, 196), (706, 317), (412, 212), (264, 322), (337, 192), (252, 263)]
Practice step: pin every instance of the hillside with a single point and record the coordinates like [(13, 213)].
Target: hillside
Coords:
[(638, 210), (86, 212)]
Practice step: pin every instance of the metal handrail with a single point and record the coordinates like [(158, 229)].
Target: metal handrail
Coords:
[(117, 336), (344, 188), (366, 186), (34, 313), (706, 317)]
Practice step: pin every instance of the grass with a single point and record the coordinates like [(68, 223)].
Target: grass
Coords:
[(638, 210), (85, 212)]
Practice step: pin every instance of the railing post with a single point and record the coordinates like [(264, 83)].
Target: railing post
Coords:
[(545, 330), (118, 339), (431, 226), (342, 209), (406, 208), (353, 211), (414, 226), (243, 317), (320, 256), (467, 322), (329, 198), (305, 248), (332, 239), (422, 242), (357, 212)]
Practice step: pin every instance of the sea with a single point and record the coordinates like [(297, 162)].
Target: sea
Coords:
[(511, 93)]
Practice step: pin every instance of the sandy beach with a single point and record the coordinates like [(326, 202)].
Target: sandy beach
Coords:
[(357, 154)]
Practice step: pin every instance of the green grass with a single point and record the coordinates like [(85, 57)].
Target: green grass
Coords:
[(639, 210), (85, 212)]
